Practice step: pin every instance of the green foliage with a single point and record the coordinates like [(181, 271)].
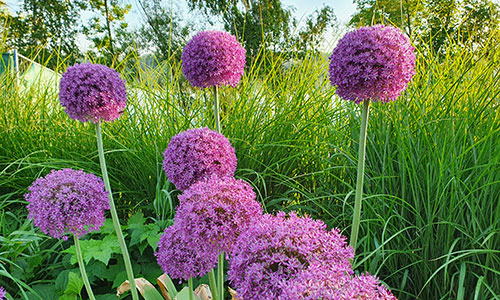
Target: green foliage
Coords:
[(164, 30), (108, 31), (46, 30), (430, 220), (267, 24), (436, 23)]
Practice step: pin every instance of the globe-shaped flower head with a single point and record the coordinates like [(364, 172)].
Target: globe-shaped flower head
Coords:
[(196, 154), (92, 92), (211, 215), (67, 202), (270, 256), (374, 62), (213, 58)]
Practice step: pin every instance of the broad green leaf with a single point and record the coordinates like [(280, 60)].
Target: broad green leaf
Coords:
[(62, 281), (75, 284), (68, 297)]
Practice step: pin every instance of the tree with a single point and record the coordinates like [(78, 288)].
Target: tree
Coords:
[(435, 22), (164, 32), (264, 24), (108, 31), (47, 29)]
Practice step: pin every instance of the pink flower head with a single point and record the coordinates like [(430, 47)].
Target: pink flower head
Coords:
[(373, 62), (211, 215), (213, 58), (2, 293), (274, 251), (196, 154), (321, 282), (67, 202), (92, 92)]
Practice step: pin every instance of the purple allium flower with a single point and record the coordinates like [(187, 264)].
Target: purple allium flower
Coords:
[(92, 92), (213, 58), (2, 293), (273, 252), (373, 62), (181, 256), (67, 202), (211, 215), (196, 154), (320, 282)]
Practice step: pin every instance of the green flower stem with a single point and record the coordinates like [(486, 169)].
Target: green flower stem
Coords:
[(82, 268), (213, 285), (190, 284), (114, 215), (216, 110), (220, 276), (361, 174)]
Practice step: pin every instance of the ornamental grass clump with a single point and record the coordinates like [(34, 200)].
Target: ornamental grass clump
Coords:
[(68, 202), (373, 63), (196, 154), (93, 92), (273, 253), (212, 59)]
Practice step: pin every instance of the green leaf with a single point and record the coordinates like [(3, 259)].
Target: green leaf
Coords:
[(136, 220), (150, 293), (184, 294), (75, 284), (62, 281), (106, 297), (68, 297)]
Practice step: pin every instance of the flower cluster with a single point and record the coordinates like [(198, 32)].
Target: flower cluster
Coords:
[(374, 62), (2, 293), (196, 154), (318, 282), (92, 92), (211, 215), (67, 201), (270, 256), (213, 58)]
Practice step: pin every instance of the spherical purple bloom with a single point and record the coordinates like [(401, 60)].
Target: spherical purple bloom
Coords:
[(211, 215), (92, 92), (320, 282), (181, 256), (373, 62), (196, 154), (274, 251), (67, 202), (213, 58), (2, 293)]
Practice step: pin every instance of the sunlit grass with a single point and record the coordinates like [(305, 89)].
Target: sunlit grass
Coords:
[(431, 220)]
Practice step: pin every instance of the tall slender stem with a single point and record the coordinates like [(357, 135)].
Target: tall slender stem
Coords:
[(79, 257), (114, 215), (361, 174), (220, 276), (190, 284), (216, 110), (213, 285)]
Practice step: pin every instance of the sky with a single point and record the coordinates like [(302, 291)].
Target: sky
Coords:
[(342, 8)]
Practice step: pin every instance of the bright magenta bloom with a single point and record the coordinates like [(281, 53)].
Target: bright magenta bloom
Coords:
[(196, 154), (213, 58), (374, 62), (92, 92), (67, 202)]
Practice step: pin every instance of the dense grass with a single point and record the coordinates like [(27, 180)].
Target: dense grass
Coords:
[(431, 216)]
